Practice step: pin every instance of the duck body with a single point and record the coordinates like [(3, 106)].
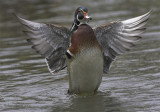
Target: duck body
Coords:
[(85, 67), (87, 53)]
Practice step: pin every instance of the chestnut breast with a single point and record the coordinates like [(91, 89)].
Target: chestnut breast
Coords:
[(83, 37)]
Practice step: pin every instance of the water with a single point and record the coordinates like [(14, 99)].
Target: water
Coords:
[(27, 86)]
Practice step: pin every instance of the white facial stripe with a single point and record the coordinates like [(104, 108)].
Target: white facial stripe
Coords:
[(73, 26), (82, 10), (77, 18)]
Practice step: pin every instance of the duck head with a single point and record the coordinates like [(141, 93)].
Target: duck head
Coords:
[(81, 17)]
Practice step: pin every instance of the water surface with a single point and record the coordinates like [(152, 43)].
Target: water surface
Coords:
[(27, 86)]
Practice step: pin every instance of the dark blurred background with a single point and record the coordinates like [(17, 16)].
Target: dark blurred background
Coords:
[(27, 86)]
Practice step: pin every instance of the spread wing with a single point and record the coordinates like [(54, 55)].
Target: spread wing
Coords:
[(118, 37), (49, 40)]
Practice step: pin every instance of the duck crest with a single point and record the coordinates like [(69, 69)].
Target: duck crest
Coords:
[(80, 16)]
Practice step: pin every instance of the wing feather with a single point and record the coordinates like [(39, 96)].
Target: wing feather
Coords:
[(119, 37), (49, 40)]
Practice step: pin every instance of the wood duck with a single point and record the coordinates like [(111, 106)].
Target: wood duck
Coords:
[(86, 52)]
